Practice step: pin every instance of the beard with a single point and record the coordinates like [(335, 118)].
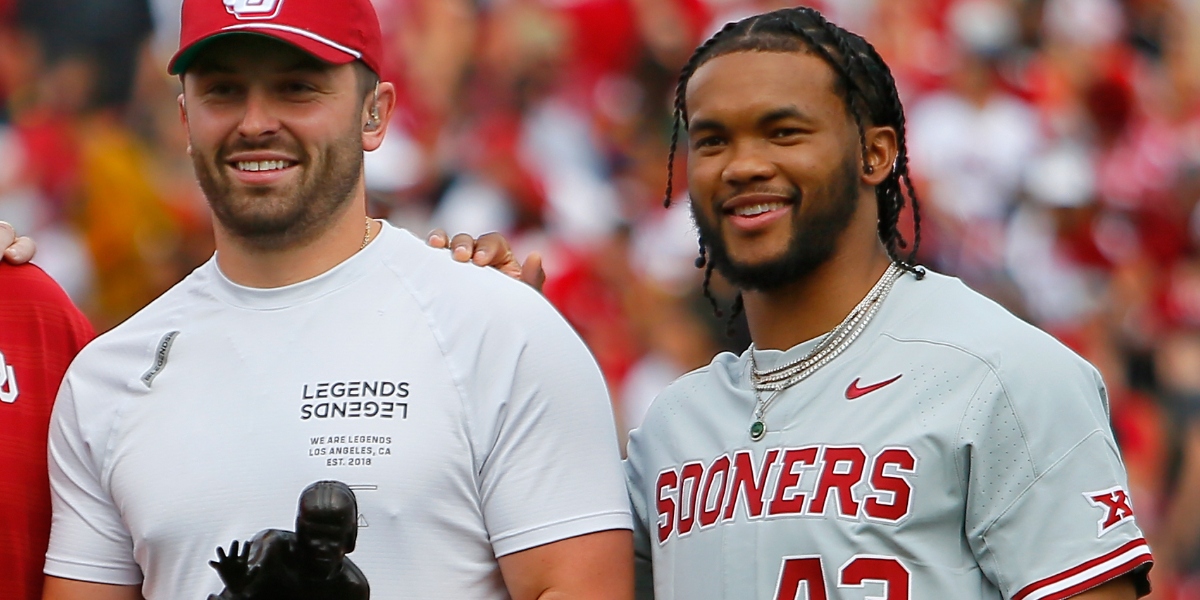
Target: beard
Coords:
[(280, 218), (813, 238)]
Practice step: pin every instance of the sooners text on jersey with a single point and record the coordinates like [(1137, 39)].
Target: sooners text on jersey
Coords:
[(813, 481)]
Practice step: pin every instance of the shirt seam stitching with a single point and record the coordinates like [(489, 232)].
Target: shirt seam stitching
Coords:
[(439, 339), (993, 372), (575, 519)]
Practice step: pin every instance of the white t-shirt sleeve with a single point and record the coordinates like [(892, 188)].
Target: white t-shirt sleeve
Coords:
[(1048, 515), (541, 424), (88, 539)]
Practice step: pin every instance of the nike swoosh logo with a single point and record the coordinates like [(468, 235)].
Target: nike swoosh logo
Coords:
[(854, 391)]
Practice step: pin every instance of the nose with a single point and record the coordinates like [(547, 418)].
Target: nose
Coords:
[(747, 164), (259, 118)]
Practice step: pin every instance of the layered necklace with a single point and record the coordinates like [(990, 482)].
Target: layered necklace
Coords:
[(834, 343)]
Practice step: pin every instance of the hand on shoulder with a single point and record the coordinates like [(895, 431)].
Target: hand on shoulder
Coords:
[(16, 249), (491, 250)]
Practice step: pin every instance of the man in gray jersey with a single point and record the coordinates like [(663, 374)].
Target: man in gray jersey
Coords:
[(889, 433)]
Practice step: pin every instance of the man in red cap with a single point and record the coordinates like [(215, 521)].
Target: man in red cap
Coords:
[(466, 416)]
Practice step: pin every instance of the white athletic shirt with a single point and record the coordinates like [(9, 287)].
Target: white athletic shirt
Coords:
[(952, 451), (468, 417)]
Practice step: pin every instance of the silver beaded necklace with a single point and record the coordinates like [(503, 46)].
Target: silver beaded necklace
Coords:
[(834, 343)]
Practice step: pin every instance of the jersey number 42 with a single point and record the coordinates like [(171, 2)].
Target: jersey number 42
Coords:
[(807, 573)]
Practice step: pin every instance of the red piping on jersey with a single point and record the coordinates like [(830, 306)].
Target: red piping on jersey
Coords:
[(1091, 582), (854, 391)]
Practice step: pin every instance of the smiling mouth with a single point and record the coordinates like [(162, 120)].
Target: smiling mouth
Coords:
[(753, 210), (255, 166)]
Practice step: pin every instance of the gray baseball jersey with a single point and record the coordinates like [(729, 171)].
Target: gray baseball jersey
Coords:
[(952, 451)]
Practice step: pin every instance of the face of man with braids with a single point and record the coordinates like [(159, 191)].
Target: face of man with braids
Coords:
[(774, 166), (796, 155)]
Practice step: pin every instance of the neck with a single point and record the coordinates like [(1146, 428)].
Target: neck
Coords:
[(245, 264), (814, 305)]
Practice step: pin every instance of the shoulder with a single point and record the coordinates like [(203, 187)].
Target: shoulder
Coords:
[(433, 277), (269, 544), (30, 283), (1054, 396), (941, 314), (117, 359), (721, 372), (465, 300), (35, 313), (673, 416)]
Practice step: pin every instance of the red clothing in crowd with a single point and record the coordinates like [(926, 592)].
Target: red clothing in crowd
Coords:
[(40, 333)]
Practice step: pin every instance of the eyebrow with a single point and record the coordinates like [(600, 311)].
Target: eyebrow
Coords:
[(778, 114), (705, 125)]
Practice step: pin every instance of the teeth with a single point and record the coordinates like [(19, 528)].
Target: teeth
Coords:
[(757, 209), (261, 165)]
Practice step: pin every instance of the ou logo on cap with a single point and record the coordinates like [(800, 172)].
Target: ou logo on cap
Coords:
[(253, 9)]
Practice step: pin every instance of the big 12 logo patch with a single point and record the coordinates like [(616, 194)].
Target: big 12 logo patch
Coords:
[(1117, 509), (253, 9)]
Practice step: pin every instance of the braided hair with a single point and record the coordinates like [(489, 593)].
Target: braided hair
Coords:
[(864, 82)]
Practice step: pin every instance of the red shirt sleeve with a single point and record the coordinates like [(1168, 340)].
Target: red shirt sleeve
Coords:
[(40, 333)]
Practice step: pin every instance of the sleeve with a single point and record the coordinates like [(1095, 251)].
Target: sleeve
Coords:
[(1048, 510), (643, 568), (88, 539), (543, 429)]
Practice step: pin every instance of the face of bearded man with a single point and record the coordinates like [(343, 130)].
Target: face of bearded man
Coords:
[(774, 175), (813, 239), (275, 139)]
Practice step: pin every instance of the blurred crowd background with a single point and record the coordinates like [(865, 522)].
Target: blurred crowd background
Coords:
[(1056, 145)]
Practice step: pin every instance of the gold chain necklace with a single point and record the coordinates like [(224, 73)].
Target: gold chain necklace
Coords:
[(366, 233)]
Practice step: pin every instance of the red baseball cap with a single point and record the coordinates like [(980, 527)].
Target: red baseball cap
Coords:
[(335, 31)]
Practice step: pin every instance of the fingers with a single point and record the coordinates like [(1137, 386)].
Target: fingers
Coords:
[(438, 238), (21, 252), (492, 250), (16, 250), (245, 551), (462, 246), (532, 272)]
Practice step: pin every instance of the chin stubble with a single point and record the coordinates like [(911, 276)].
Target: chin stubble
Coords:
[(302, 212), (812, 243)]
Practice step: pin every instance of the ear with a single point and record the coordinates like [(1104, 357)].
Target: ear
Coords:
[(351, 539), (183, 119), (881, 151), (377, 113)]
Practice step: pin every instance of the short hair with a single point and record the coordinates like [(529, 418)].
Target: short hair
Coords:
[(367, 79)]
